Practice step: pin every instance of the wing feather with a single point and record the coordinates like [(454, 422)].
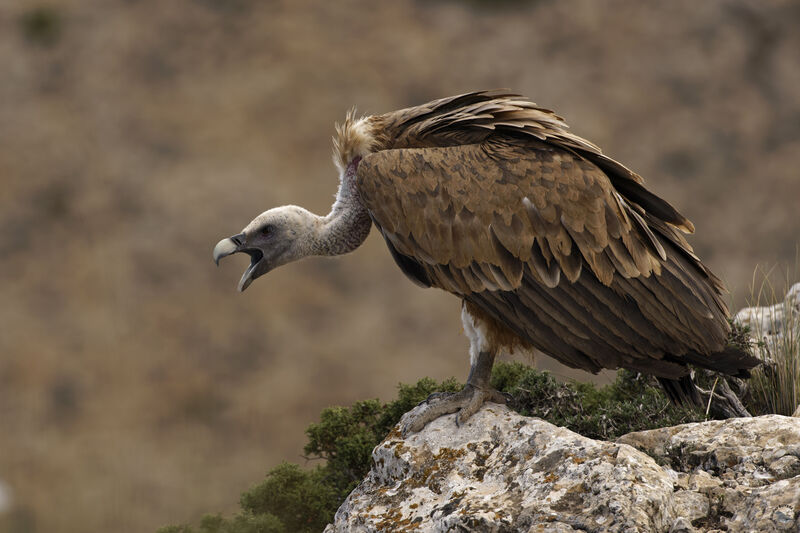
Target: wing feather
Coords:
[(507, 205), (544, 265), (487, 196)]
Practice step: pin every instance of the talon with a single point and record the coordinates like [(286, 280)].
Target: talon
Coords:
[(436, 395), (466, 403)]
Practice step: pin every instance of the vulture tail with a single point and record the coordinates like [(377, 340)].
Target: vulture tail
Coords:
[(731, 361), (725, 403)]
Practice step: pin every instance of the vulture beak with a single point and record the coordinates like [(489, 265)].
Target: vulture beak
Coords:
[(228, 246), (234, 244)]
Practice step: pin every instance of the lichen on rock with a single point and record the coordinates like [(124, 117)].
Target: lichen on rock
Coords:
[(503, 472)]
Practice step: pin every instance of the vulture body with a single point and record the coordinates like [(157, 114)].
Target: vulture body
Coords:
[(549, 243)]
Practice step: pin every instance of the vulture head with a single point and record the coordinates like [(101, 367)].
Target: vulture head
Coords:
[(274, 238)]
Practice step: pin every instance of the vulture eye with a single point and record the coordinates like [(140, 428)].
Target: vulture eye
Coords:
[(268, 229)]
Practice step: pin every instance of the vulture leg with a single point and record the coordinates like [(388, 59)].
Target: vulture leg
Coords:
[(466, 402), (475, 393)]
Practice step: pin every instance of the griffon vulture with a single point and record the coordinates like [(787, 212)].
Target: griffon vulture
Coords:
[(548, 242)]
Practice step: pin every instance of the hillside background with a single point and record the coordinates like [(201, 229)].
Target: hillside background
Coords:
[(137, 388)]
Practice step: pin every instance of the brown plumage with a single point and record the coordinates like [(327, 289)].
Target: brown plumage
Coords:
[(549, 243), (487, 196)]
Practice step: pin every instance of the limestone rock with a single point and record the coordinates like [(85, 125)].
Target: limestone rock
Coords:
[(770, 323), (748, 468), (502, 472)]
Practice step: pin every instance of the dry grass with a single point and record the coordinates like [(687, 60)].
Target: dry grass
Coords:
[(775, 385)]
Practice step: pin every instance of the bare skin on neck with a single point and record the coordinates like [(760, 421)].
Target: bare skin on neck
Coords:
[(289, 233)]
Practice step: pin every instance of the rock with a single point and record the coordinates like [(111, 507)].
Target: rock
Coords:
[(682, 525), (503, 472), (690, 505), (741, 449), (747, 468), (785, 467), (770, 323)]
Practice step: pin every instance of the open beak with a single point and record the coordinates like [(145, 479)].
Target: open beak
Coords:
[(234, 244)]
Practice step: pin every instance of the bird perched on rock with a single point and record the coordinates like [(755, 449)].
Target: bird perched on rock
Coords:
[(548, 242)]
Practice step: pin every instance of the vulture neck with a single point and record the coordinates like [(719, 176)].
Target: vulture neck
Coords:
[(348, 224)]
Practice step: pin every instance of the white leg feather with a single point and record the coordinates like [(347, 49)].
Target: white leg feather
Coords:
[(476, 332)]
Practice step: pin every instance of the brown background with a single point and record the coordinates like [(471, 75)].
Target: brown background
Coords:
[(137, 388)]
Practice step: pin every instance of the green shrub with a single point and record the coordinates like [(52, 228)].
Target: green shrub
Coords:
[(634, 402), (345, 436), (292, 499), (241, 523)]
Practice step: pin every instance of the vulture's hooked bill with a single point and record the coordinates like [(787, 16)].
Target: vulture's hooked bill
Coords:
[(549, 243)]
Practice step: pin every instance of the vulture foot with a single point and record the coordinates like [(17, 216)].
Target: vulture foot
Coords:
[(466, 402)]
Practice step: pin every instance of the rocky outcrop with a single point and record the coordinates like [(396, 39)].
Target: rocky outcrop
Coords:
[(502, 472)]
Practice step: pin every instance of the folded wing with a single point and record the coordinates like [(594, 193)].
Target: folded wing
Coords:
[(542, 237)]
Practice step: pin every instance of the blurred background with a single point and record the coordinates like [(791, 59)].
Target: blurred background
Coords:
[(137, 387)]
